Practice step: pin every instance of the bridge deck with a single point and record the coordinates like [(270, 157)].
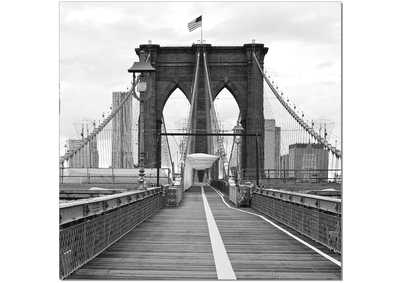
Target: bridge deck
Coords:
[(176, 244)]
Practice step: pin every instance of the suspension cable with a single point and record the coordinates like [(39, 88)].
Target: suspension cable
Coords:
[(189, 140), (299, 120), (221, 149), (166, 137), (97, 130)]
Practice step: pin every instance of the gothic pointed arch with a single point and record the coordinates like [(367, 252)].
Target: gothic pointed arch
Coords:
[(231, 67), (168, 89)]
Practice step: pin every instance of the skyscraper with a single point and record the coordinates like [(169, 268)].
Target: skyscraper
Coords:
[(122, 156), (284, 166), (308, 161), (272, 141), (277, 148), (87, 157)]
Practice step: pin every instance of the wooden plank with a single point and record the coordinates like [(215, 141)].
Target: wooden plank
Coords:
[(173, 244), (258, 250)]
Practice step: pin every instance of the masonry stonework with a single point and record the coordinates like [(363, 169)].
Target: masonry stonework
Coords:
[(231, 67)]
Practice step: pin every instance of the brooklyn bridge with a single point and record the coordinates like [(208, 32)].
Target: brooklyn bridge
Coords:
[(267, 206)]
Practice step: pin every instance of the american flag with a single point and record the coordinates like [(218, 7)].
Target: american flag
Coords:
[(194, 24)]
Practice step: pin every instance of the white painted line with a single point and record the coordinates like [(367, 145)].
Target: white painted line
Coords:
[(328, 257), (221, 259)]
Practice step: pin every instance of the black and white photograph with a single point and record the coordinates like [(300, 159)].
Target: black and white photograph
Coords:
[(190, 140), (200, 140)]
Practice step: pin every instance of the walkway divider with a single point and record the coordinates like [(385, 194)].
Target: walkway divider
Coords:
[(328, 257), (222, 262)]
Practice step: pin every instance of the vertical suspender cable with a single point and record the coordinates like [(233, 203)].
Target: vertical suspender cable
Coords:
[(217, 140), (190, 144), (294, 115)]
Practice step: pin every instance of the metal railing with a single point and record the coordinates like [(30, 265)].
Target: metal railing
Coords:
[(296, 175), (88, 227), (318, 218), (221, 185), (110, 176)]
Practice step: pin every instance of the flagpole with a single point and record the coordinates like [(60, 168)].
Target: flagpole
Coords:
[(201, 38)]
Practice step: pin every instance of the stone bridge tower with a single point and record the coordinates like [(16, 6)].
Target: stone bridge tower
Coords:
[(231, 67)]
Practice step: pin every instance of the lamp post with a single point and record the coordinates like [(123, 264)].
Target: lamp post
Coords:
[(238, 129), (144, 68)]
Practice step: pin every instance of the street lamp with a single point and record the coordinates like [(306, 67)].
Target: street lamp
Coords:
[(143, 67), (238, 129)]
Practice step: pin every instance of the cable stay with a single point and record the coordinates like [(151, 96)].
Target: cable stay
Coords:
[(165, 145), (97, 130), (189, 142), (215, 127), (235, 158), (309, 129)]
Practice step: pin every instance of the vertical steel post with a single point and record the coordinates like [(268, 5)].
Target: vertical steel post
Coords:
[(141, 146), (257, 177), (112, 174), (158, 130), (237, 162), (121, 129), (62, 172), (90, 152)]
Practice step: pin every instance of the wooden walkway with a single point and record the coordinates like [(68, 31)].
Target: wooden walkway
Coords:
[(259, 251), (175, 244)]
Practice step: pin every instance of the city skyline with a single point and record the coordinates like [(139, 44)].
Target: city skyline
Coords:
[(304, 62)]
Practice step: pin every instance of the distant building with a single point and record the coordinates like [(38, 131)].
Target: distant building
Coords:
[(277, 148), (235, 158), (308, 161), (122, 155), (85, 158), (94, 154), (76, 160), (284, 166), (166, 158), (272, 148)]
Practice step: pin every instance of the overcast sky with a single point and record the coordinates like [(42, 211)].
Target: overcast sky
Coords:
[(97, 42)]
